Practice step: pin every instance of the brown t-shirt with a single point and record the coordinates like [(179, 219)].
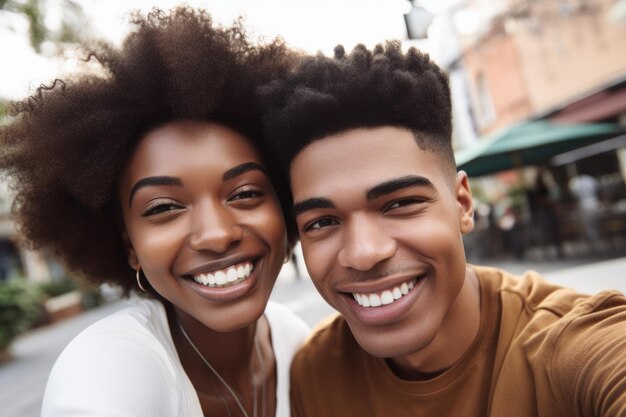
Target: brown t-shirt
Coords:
[(541, 350)]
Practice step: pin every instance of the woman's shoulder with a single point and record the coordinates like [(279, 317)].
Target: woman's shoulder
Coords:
[(133, 339), (138, 319), (124, 356), (139, 328)]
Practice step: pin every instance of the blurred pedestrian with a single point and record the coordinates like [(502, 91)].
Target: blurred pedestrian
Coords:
[(585, 188), (545, 222)]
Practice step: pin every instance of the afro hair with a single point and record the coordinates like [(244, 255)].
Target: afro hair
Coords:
[(66, 144)]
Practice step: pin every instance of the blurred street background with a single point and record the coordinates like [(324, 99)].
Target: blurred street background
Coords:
[(539, 103)]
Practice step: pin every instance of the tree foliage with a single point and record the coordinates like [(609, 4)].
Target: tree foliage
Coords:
[(20, 306), (73, 21)]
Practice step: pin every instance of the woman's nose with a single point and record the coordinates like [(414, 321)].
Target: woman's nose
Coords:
[(214, 227)]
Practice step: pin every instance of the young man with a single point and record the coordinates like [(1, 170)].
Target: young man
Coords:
[(381, 212)]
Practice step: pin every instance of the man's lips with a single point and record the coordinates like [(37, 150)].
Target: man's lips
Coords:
[(382, 302), (377, 293), (385, 297)]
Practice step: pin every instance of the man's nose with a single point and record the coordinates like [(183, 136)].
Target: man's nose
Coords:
[(214, 227), (365, 244)]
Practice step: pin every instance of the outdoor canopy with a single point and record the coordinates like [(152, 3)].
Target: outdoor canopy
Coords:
[(530, 143)]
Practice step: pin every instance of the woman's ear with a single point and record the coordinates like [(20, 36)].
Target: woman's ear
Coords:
[(133, 259), (465, 202)]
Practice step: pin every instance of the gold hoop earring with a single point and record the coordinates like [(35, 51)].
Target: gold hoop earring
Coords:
[(141, 287)]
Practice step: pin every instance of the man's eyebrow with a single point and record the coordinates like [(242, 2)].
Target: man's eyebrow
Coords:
[(396, 184), (300, 207), (151, 181), (240, 169)]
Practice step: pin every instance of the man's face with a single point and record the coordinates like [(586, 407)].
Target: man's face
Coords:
[(381, 224)]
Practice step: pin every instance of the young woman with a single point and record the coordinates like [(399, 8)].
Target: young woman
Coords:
[(147, 172)]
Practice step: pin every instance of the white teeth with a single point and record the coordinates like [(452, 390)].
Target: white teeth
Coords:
[(220, 278), (231, 274), (396, 293), (365, 301), (225, 277), (386, 297), (375, 300)]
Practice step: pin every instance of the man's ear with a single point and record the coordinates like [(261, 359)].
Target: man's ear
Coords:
[(465, 202), (133, 259)]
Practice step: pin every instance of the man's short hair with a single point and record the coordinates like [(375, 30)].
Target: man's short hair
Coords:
[(364, 89)]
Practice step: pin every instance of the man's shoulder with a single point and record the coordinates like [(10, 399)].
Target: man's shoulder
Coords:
[(531, 293), (549, 318), (556, 344)]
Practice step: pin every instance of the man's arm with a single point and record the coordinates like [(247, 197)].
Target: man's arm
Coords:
[(589, 363)]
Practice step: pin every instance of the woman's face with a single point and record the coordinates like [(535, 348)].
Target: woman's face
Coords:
[(203, 223)]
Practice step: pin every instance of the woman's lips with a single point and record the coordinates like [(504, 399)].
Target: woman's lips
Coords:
[(225, 277)]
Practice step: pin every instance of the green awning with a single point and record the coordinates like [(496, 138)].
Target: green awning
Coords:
[(530, 143)]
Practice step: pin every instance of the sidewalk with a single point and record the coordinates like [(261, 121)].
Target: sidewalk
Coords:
[(592, 278), (586, 275)]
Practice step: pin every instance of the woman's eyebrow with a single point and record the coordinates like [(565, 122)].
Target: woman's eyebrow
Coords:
[(240, 169), (152, 181), (396, 184)]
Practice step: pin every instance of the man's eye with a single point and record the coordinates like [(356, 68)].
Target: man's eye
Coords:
[(403, 203), (320, 224), (160, 207)]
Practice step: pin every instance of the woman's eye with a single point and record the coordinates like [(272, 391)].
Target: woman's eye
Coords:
[(160, 207), (320, 224), (247, 195)]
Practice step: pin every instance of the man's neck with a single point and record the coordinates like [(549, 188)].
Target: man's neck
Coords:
[(456, 335)]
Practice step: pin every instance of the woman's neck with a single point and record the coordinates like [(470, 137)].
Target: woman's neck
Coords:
[(229, 353), (243, 359)]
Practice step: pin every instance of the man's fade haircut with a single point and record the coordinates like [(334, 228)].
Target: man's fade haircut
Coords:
[(364, 89), (66, 144)]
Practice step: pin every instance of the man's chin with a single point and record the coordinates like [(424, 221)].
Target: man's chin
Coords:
[(385, 344)]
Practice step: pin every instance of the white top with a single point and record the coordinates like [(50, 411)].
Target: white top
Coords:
[(127, 365)]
